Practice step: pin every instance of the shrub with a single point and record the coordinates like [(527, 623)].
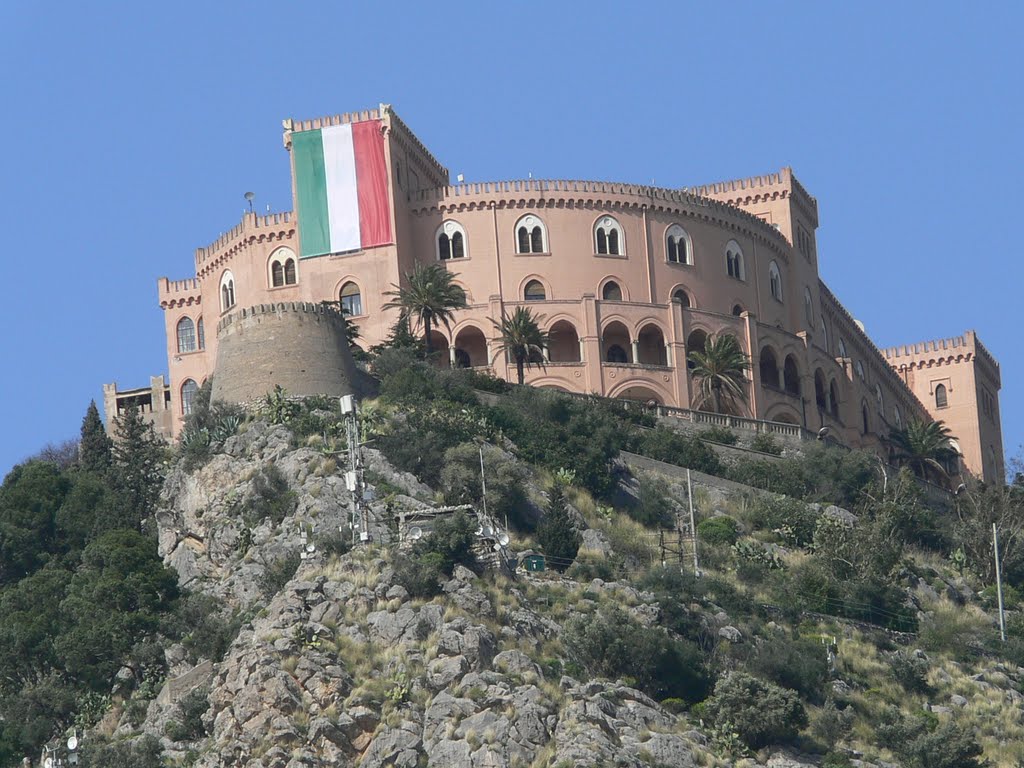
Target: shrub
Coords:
[(722, 435), (278, 573), (766, 444), (271, 499), (923, 743), (588, 567), (188, 725), (611, 644), (420, 576), (911, 672), (668, 445), (448, 544), (460, 481), (144, 753), (798, 663), (791, 519), (205, 631), (654, 508), (721, 530), (761, 713)]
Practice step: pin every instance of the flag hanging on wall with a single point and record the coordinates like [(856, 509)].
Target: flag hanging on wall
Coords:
[(341, 184)]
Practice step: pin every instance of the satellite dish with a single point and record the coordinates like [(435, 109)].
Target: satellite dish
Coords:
[(503, 539), (73, 743), (415, 533), (497, 547), (488, 531), (479, 530), (311, 547)]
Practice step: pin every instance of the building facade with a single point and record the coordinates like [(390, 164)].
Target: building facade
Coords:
[(626, 280)]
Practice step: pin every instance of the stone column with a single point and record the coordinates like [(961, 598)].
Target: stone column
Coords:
[(635, 347)]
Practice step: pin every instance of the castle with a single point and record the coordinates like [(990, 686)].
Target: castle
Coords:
[(627, 279)]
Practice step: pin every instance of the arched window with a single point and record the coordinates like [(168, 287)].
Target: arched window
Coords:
[(534, 291), (775, 281), (808, 308), (941, 397), (611, 291), (608, 238), (682, 297), (227, 291), (451, 241), (833, 400), (737, 310), (865, 424), (878, 399), (897, 417), (282, 268), (201, 333), (289, 272), (677, 246), (188, 392), (820, 397), (860, 370), (791, 376), (824, 335), (769, 368), (695, 342), (842, 348), (186, 335), (616, 354), (351, 299), (531, 236), (734, 265), (276, 274)]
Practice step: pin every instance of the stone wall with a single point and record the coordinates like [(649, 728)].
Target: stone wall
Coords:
[(299, 346)]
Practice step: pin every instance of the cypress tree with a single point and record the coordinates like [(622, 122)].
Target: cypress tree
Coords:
[(556, 533), (94, 449), (138, 463)]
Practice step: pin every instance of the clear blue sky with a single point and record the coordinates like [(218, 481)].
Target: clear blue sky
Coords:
[(131, 131)]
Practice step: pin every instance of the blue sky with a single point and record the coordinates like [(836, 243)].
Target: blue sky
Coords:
[(131, 131)]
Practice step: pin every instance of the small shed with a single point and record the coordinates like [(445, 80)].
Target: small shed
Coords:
[(533, 563)]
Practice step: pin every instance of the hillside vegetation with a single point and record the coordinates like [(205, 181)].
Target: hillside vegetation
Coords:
[(838, 620)]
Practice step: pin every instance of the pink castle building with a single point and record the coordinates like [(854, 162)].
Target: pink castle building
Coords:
[(627, 279)]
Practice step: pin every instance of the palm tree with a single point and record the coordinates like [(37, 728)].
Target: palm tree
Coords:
[(430, 295), (522, 338), (924, 446), (720, 370)]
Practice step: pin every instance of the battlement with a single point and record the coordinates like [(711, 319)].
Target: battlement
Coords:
[(291, 125), (252, 225), (574, 187), (178, 293), (938, 351), (782, 184), (305, 307)]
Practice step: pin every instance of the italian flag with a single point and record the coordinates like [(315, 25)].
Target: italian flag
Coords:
[(341, 185)]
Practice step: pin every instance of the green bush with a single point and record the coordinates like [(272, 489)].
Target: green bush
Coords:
[(672, 447), (436, 555), (924, 743), (766, 444), (911, 672), (611, 644), (798, 663), (271, 500), (721, 530), (144, 753), (506, 479), (202, 626), (557, 533), (187, 725), (762, 713), (722, 435), (791, 519), (654, 508), (279, 572)]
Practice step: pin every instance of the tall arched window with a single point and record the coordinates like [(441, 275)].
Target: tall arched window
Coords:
[(859, 367), (201, 333), (878, 399), (791, 376), (775, 281), (534, 291), (865, 424), (289, 272), (941, 397), (734, 265), (608, 238), (277, 274), (824, 335), (282, 268), (769, 368), (451, 241), (186, 335), (842, 348), (677, 246), (897, 417), (351, 299), (833, 400), (808, 308), (611, 291), (531, 236), (737, 310), (227, 291), (682, 297), (188, 392)]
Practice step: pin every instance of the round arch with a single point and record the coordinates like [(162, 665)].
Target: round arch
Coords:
[(650, 344), (678, 245), (350, 295), (616, 343), (609, 238), (470, 347), (768, 366), (531, 235), (683, 295), (783, 414), (227, 290), (642, 390), (563, 341), (534, 278), (605, 288), (451, 241)]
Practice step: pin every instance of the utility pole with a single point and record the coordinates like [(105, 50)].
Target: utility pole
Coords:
[(999, 583), (693, 525)]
